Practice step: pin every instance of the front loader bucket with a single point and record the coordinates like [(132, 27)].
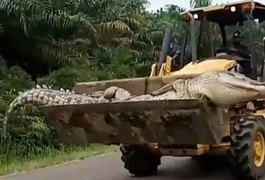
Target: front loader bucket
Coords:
[(166, 122)]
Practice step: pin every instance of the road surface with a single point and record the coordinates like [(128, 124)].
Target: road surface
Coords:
[(110, 167)]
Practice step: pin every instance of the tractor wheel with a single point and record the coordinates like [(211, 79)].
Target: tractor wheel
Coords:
[(139, 161), (247, 151)]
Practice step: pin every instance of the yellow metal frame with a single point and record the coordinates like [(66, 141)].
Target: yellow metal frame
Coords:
[(164, 70), (194, 68)]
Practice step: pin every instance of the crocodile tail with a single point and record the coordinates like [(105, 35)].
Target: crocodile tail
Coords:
[(45, 96)]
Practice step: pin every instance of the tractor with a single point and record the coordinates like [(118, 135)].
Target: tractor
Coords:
[(147, 131)]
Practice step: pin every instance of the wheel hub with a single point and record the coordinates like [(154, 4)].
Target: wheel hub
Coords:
[(259, 150)]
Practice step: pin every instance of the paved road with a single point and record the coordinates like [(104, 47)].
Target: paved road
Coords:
[(109, 167)]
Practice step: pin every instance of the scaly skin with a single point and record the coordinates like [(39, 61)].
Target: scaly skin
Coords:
[(50, 97), (47, 97), (222, 88), (225, 88)]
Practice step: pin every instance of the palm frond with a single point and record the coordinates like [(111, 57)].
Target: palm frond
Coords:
[(139, 44), (122, 54), (25, 10), (199, 3), (31, 12), (122, 40), (116, 27), (9, 6), (51, 54), (131, 22)]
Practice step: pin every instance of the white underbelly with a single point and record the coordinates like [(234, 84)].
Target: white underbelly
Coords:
[(224, 95)]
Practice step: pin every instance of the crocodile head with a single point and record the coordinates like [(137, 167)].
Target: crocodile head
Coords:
[(227, 88)]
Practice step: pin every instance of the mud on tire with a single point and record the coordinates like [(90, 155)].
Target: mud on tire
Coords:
[(242, 154), (139, 161)]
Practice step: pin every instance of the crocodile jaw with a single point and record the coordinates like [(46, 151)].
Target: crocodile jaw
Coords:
[(225, 88)]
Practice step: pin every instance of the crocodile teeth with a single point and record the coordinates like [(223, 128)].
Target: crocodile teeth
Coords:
[(62, 90), (67, 90)]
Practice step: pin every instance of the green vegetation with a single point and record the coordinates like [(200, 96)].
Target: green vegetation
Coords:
[(52, 157), (61, 42)]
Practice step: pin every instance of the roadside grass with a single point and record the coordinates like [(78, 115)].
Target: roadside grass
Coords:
[(15, 165)]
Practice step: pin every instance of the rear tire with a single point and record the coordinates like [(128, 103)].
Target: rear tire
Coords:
[(139, 161), (247, 150)]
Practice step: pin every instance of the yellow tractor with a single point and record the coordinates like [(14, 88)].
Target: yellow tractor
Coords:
[(146, 131)]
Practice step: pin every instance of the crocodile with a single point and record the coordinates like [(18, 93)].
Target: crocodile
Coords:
[(223, 88)]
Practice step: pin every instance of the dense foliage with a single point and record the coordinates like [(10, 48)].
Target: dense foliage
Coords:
[(61, 42)]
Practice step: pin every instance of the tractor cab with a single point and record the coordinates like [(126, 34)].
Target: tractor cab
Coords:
[(232, 32), (227, 31)]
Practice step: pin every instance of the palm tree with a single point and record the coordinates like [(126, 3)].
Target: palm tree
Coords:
[(200, 3), (50, 33), (37, 26)]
